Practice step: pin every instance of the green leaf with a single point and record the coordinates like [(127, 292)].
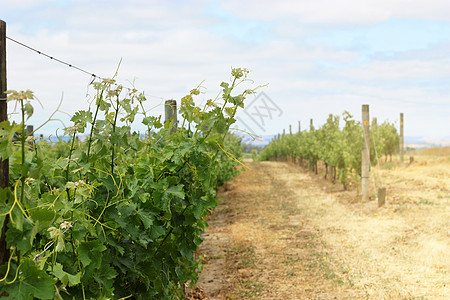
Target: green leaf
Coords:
[(44, 216), (177, 191), (60, 245), (64, 277), (7, 131), (17, 218), (20, 239), (226, 89), (32, 283), (156, 232), (105, 276), (152, 121), (28, 109), (126, 209), (146, 218), (90, 251)]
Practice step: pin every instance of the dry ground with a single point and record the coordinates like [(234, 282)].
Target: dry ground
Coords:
[(281, 232)]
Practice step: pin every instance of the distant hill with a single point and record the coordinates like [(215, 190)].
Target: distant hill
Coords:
[(420, 142), (261, 141), (417, 142)]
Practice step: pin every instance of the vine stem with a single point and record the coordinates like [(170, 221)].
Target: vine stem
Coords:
[(113, 144), (93, 124)]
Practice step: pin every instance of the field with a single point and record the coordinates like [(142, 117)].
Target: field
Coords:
[(282, 232)]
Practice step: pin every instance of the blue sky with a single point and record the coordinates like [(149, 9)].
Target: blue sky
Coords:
[(318, 57)]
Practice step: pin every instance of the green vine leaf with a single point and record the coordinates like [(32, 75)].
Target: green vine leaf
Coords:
[(33, 283), (7, 131), (90, 252), (64, 277)]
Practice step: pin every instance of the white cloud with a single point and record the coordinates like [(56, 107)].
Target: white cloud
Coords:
[(399, 70), (170, 47), (328, 12)]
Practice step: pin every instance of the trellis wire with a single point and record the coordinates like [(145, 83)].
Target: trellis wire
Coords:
[(94, 76)]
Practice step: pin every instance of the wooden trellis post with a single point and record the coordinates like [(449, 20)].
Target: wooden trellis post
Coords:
[(365, 167), (171, 114), (402, 140), (4, 163)]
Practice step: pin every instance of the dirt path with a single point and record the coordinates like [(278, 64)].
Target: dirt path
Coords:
[(282, 233)]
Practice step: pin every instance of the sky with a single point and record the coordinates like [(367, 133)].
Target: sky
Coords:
[(317, 57)]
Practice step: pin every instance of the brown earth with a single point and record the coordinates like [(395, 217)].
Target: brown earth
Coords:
[(281, 232)]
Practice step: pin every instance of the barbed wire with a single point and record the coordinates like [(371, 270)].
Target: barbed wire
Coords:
[(49, 245), (93, 75), (54, 58)]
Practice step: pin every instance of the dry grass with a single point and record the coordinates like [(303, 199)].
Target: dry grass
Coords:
[(275, 253), (435, 151), (401, 250), (295, 236)]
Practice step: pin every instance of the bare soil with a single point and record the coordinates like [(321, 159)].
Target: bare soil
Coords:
[(282, 232)]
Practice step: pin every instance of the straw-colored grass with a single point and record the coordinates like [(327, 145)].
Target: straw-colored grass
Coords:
[(295, 236), (435, 151)]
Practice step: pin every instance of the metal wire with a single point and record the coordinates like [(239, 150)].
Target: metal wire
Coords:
[(54, 58), (49, 246), (73, 66)]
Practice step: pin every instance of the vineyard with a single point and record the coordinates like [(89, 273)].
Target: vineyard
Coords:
[(104, 211), (118, 215), (339, 149)]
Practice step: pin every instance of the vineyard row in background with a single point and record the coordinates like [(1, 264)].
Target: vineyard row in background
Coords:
[(341, 149)]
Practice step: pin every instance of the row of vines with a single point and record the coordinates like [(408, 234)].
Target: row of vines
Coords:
[(338, 148), (118, 215)]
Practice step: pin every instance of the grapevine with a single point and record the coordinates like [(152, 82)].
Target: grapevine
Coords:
[(338, 148), (117, 215)]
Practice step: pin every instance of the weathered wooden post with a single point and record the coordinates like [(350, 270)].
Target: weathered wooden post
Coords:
[(299, 128), (4, 163), (290, 129), (365, 167), (30, 129), (171, 114), (402, 141), (311, 126), (381, 196), (284, 132)]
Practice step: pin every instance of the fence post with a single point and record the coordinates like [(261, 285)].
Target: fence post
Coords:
[(4, 164), (290, 129), (402, 141), (311, 126), (365, 167), (381, 196), (171, 114), (30, 129), (299, 128)]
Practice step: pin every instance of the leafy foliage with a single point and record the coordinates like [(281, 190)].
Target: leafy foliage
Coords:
[(339, 148), (117, 215)]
